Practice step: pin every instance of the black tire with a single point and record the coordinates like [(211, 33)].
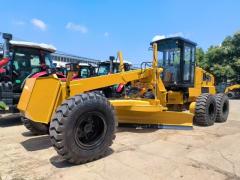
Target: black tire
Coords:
[(222, 107), (83, 128), (99, 93), (34, 127), (205, 112), (231, 95)]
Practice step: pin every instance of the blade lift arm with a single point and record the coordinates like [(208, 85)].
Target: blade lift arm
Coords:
[(150, 74)]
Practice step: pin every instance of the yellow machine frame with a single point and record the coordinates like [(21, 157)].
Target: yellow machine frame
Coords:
[(204, 83), (82, 123), (39, 102)]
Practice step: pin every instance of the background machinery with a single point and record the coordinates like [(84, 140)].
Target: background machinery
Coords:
[(233, 91), (82, 123), (19, 61), (112, 66), (85, 70)]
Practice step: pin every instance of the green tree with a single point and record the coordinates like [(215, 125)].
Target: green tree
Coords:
[(223, 60), (200, 57)]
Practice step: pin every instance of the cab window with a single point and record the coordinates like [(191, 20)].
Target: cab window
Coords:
[(206, 77), (187, 63), (48, 60), (26, 60), (170, 61), (103, 70), (84, 72)]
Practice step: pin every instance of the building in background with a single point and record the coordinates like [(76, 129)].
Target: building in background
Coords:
[(60, 59)]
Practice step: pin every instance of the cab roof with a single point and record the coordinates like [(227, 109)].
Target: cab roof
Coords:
[(42, 46), (177, 38), (116, 61)]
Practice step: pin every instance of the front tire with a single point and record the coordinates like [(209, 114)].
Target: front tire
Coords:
[(205, 112), (83, 128), (34, 127)]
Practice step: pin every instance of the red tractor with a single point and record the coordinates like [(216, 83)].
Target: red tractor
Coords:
[(18, 61)]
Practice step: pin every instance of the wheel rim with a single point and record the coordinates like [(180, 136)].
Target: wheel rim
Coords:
[(90, 130)]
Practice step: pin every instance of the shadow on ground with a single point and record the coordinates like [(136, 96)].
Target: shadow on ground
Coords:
[(37, 143), (135, 130), (11, 120), (59, 162), (28, 133)]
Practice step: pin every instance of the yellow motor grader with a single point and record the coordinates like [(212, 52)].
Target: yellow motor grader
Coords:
[(82, 123), (233, 91)]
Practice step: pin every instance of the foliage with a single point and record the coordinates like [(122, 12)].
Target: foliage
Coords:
[(3, 106), (224, 60)]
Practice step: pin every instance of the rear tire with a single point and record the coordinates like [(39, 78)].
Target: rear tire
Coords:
[(222, 107), (35, 127), (83, 128), (230, 95), (205, 112)]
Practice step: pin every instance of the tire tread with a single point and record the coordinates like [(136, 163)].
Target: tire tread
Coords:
[(57, 126)]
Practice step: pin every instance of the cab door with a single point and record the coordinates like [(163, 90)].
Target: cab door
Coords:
[(188, 64)]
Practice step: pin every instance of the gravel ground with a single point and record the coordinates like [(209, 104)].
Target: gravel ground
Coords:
[(202, 153)]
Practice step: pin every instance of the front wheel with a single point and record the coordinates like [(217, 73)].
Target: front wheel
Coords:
[(83, 128)]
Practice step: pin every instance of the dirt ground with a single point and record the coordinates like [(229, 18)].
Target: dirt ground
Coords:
[(202, 153)]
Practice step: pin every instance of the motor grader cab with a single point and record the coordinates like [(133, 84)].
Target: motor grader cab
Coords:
[(182, 79), (19, 61), (112, 66), (86, 70), (82, 123), (177, 56)]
